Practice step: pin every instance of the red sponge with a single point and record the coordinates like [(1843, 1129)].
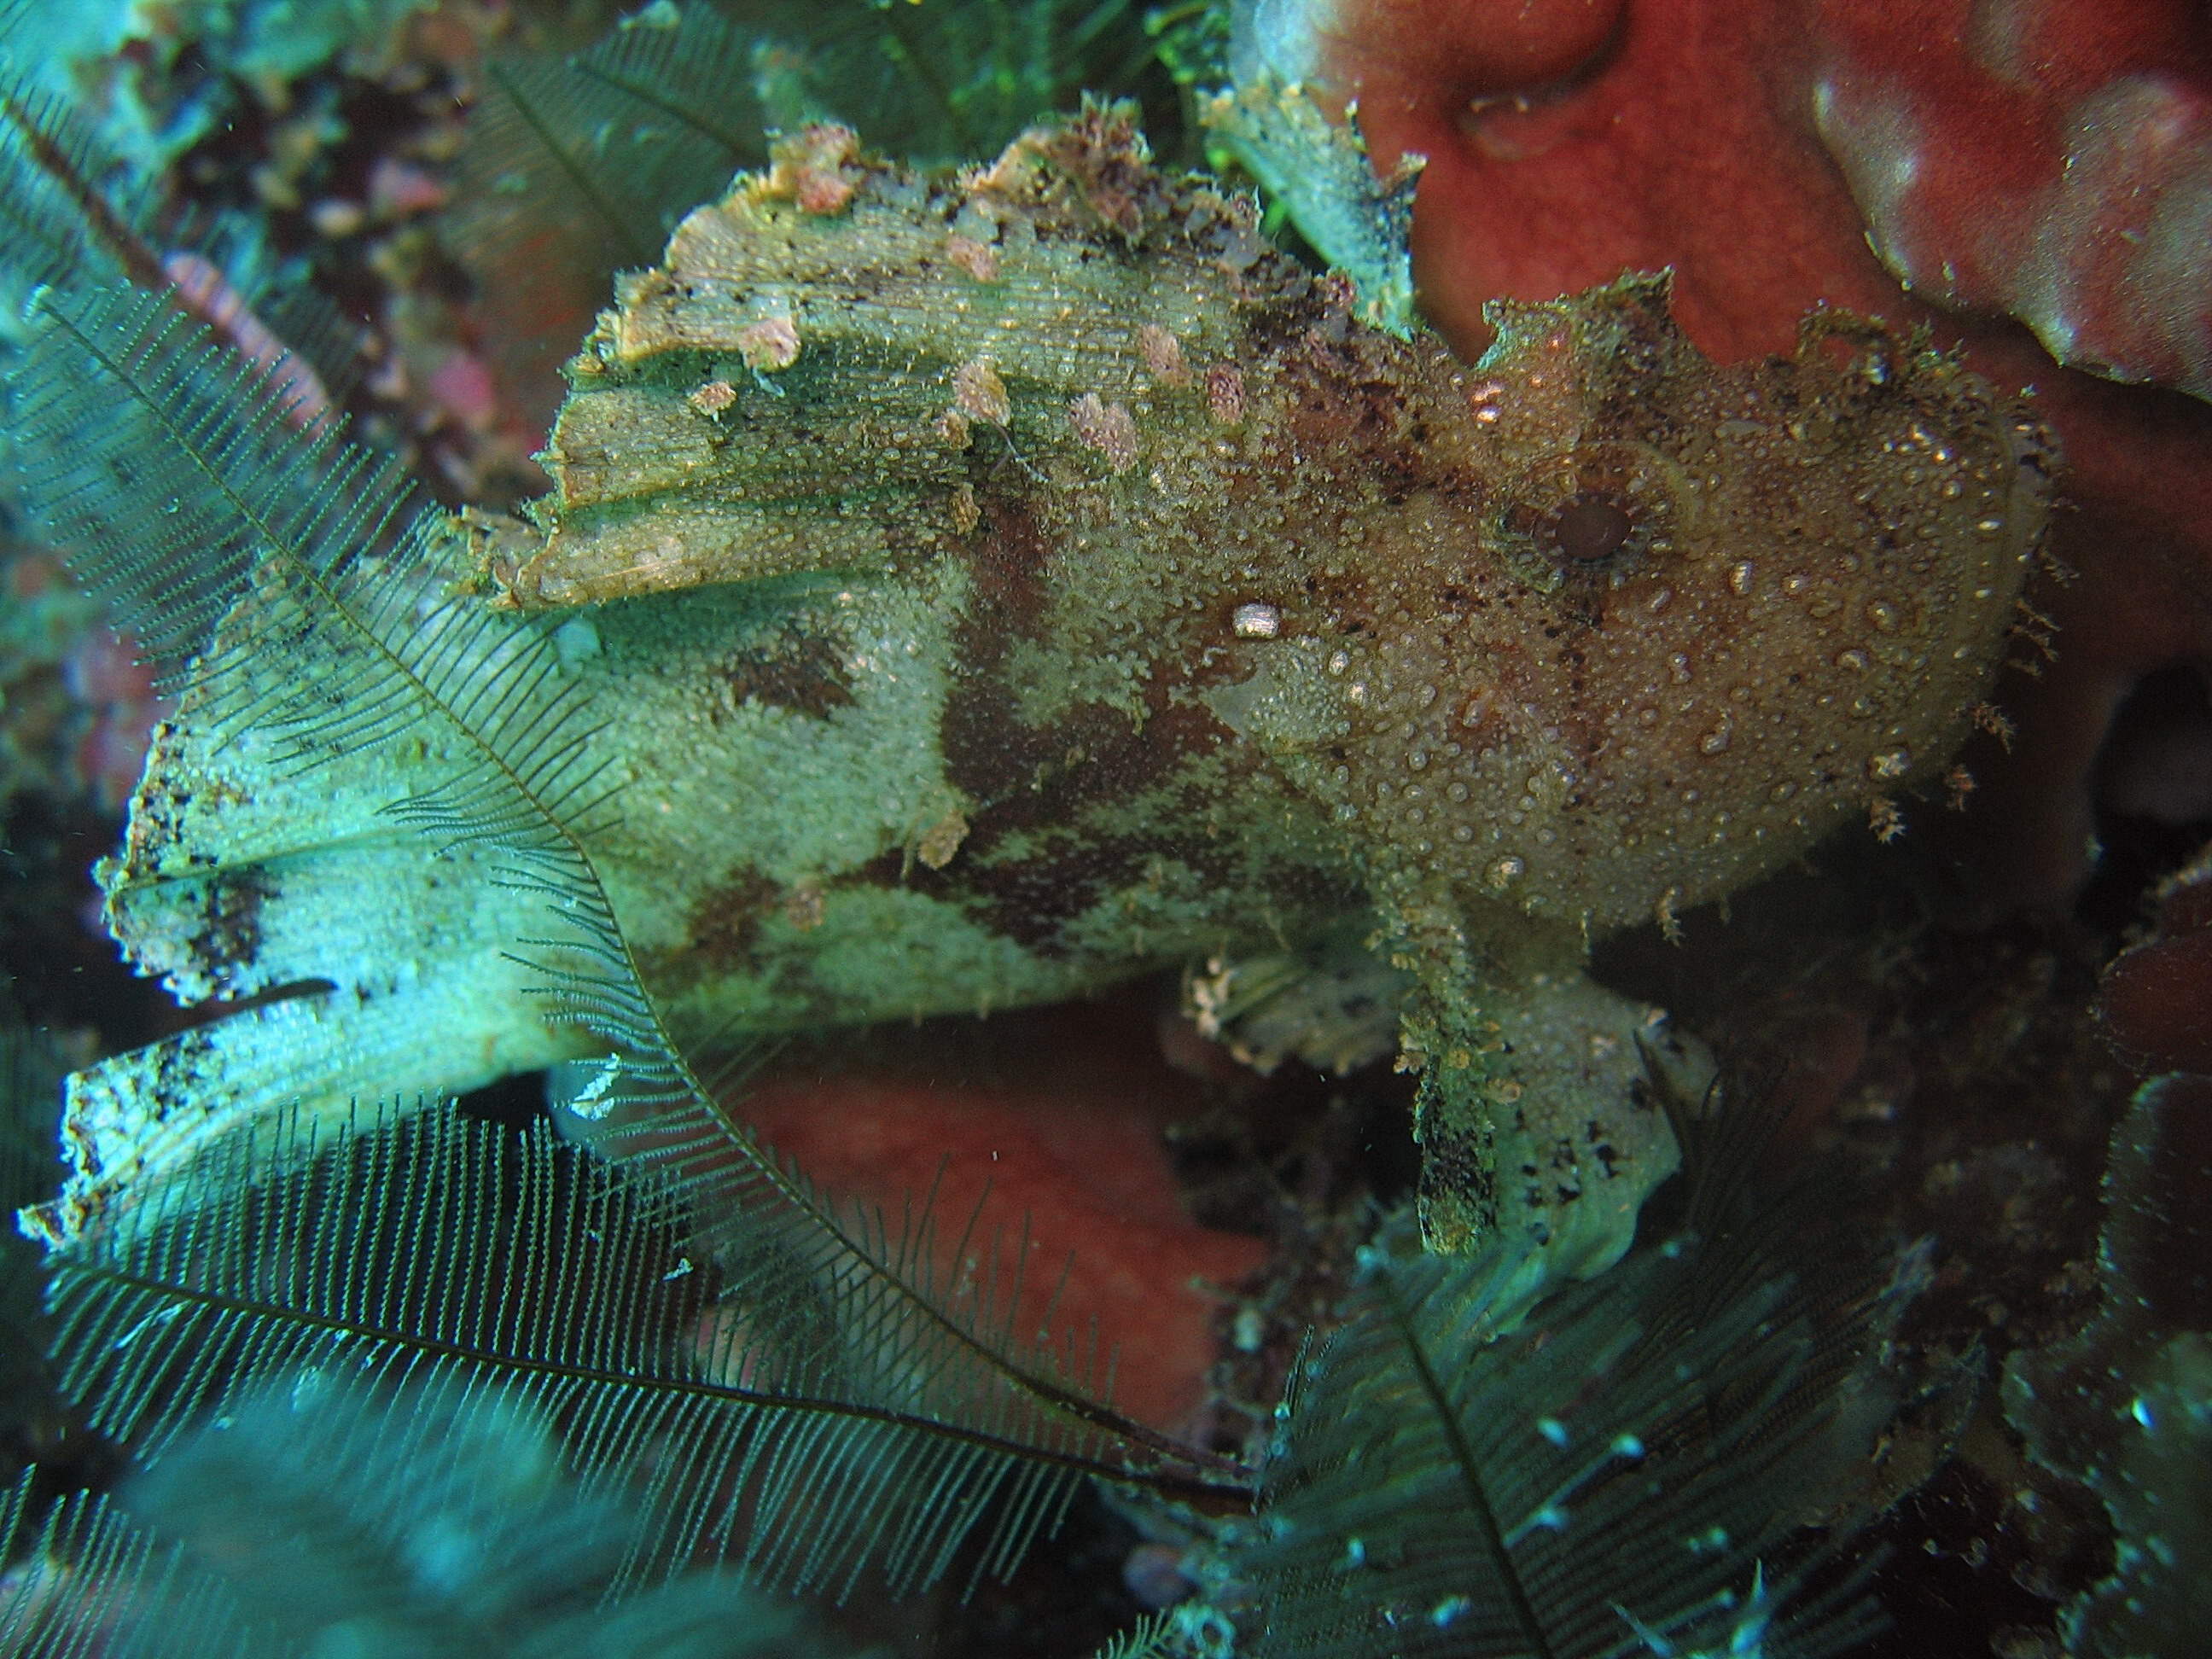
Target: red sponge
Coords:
[(1079, 1170)]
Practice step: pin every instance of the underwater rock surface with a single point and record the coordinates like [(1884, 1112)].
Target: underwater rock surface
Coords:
[(1005, 583), (2155, 1007), (2126, 1405)]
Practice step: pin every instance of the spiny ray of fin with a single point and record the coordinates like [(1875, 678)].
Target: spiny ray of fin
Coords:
[(1319, 169), (894, 364)]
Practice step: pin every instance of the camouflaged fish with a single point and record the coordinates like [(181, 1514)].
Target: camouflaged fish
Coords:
[(988, 587)]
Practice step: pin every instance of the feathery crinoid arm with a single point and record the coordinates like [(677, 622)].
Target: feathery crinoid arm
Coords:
[(766, 1403), (619, 141), (606, 147), (949, 84), (73, 212), (82, 1578), (436, 1517), (430, 1517), (67, 207), (579, 166), (1623, 1468), (168, 471), (31, 1065)]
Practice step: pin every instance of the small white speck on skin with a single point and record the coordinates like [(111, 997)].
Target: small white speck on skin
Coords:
[(1256, 621)]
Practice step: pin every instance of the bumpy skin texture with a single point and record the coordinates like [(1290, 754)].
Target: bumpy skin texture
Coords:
[(2053, 159), (1232, 614)]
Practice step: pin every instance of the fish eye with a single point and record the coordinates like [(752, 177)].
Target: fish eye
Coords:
[(1590, 528), (1598, 513)]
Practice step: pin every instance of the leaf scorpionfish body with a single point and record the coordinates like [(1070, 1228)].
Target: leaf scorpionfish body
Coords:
[(995, 586)]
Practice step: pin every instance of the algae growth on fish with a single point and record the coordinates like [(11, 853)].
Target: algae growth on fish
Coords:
[(987, 587)]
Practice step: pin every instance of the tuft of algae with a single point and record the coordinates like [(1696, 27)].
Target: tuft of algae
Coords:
[(988, 586)]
